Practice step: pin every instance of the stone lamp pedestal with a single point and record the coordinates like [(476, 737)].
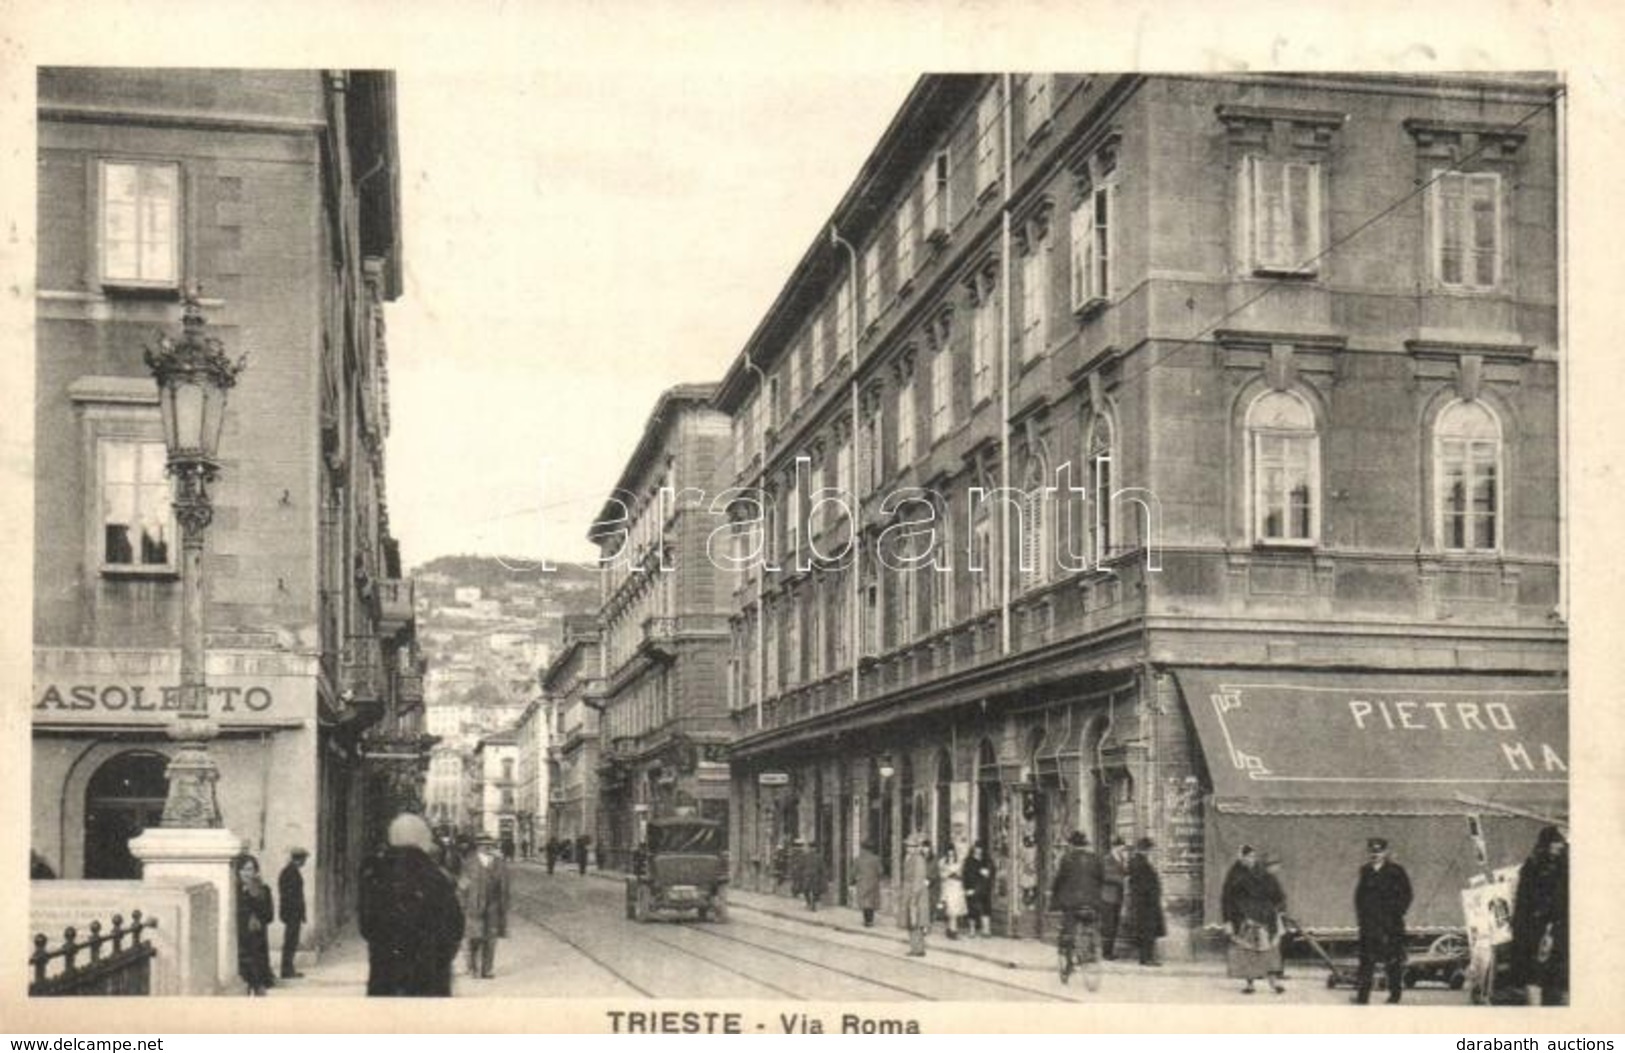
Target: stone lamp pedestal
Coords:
[(187, 855)]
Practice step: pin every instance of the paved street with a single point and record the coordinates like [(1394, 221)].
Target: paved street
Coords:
[(569, 937)]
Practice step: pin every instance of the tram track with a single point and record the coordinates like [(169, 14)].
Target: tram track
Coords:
[(538, 909)]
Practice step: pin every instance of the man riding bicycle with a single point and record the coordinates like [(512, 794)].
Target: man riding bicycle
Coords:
[(1076, 892)]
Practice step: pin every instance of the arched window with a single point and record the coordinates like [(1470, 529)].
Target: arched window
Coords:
[(1098, 451), (1467, 474), (1284, 451), (125, 797), (1034, 536)]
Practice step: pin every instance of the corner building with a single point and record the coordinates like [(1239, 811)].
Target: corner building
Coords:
[(665, 723), (276, 191), (1269, 368)]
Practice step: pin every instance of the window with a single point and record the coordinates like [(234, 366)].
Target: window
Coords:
[(941, 578), (840, 626), (792, 369), (984, 568), (1035, 301), (1098, 517), (819, 512), (812, 647), (935, 191), (823, 361), (871, 610), (843, 319), (774, 409), (942, 392), (140, 224), (1466, 210), (137, 518), (843, 469), (906, 228), (984, 347), (1467, 470), (905, 424), (1092, 250), (871, 453), (987, 142), (792, 516), (792, 642), (1284, 215), (871, 285), (1034, 567), (1285, 466), (1040, 88)]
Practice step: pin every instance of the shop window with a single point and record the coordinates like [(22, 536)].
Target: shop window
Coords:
[(140, 224), (1285, 468), (1467, 473)]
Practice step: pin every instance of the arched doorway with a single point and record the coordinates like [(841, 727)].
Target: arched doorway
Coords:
[(124, 798)]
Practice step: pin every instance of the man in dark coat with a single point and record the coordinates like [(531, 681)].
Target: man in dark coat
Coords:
[(813, 878), (582, 841), (290, 886), (1145, 901), (1540, 920), (1076, 889), (1381, 897), (866, 876), (484, 889), (410, 916), (1114, 881)]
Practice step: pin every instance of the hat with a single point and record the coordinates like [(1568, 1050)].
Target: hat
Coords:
[(1246, 850), (1376, 844), (1077, 837), (1144, 844), (409, 830), (1548, 836), (298, 852)]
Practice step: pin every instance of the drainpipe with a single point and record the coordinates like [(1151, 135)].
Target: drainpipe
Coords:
[(854, 630), (761, 570), (1004, 386)]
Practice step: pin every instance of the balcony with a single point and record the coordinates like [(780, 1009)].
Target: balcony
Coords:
[(393, 601), (660, 637)]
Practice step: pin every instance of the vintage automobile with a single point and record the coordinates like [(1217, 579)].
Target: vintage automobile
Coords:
[(682, 867)]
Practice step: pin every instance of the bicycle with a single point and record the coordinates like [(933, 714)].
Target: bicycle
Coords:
[(1080, 953)]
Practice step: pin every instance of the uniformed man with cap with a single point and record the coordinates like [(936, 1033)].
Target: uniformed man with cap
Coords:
[(291, 894), (1381, 898)]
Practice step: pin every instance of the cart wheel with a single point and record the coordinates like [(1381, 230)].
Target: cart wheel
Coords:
[(1450, 945)]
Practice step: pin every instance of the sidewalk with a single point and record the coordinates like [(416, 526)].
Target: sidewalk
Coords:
[(1007, 953)]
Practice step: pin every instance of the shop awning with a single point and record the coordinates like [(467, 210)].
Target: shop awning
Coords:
[(1285, 735), (1307, 764)]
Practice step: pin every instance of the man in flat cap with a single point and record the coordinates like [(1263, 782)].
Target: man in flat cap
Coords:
[(290, 885), (1381, 898), (484, 887)]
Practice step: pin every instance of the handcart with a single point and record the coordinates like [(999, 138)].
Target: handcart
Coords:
[(1444, 960)]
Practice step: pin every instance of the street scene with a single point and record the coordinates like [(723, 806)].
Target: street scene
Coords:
[(1050, 536)]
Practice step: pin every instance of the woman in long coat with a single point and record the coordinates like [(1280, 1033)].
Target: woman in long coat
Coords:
[(1145, 900), (977, 875), (866, 875), (1252, 904), (813, 878), (1540, 919), (254, 913)]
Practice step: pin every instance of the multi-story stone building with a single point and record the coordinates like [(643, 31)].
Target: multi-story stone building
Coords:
[(574, 687), (493, 788), (664, 625), (276, 192), (444, 793), (1202, 440), (531, 798)]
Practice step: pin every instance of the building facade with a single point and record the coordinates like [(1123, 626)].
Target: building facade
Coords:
[(665, 724), (574, 687), (276, 193), (531, 797), (493, 789), (1194, 448)]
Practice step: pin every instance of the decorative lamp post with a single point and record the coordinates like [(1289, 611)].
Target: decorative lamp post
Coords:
[(193, 375)]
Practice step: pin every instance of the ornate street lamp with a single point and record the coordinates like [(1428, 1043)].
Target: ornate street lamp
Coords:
[(193, 375)]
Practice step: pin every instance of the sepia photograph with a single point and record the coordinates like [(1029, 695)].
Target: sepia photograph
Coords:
[(712, 547)]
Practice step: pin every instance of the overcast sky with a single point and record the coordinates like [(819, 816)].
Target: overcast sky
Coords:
[(574, 245)]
